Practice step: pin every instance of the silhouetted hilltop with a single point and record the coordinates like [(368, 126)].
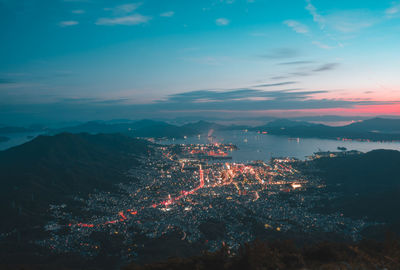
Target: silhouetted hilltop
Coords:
[(144, 123), (162, 129), (52, 169), (95, 127), (381, 125), (142, 128), (282, 123), (111, 126), (203, 126)]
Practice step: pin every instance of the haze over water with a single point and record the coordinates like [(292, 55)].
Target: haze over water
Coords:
[(17, 139)]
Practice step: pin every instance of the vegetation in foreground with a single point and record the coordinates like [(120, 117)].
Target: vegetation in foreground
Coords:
[(286, 255)]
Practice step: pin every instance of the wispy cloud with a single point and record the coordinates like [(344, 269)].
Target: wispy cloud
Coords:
[(305, 71), (341, 21), (314, 13), (134, 19), (124, 9), (301, 28), (299, 74), (281, 53), (167, 14), (280, 77), (124, 15), (296, 63), (222, 21), (228, 102), (326, 67), (350, 21), (322, 45), (393, 10), (297, 26), (206, 60), (275, 84), (253, 100), (77, 100), (68, 23), (236, 95)]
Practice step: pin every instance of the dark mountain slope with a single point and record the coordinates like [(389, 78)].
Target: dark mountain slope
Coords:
[(369, 184), (52, 169), (378, 169)]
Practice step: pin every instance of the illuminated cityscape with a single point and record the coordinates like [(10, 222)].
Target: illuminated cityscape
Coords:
[(201, 135), (194, 192)]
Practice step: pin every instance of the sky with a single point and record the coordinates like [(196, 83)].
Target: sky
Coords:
[(79, 60)]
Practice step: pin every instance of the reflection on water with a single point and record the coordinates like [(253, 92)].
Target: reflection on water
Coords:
[(254, 146)]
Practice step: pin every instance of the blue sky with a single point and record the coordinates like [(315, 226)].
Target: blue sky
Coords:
[(85, 59)]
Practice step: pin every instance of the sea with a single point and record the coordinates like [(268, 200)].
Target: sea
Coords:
[(251, 145), (254, 146)]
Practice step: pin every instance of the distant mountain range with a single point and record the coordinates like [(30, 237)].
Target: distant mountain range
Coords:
[(53, 169), (380, 125), (377, 129), (143, 128), (4, 139), (8, 130)]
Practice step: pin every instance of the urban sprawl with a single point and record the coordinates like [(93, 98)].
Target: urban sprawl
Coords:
[(195, 191)]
